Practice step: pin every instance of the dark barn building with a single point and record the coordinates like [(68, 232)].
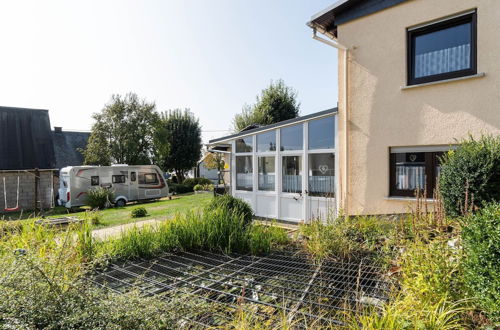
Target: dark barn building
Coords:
[(25, 139), (31, 155)]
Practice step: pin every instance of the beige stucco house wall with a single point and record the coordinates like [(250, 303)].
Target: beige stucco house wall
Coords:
[(382, 113)]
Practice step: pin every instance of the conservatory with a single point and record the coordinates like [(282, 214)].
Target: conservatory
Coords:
[(286, 170)]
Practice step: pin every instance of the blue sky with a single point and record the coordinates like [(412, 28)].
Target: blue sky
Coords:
[(210, 56)]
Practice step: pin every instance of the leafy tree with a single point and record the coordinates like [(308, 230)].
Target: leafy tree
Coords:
[(177, 142), (122, 132), (215, 161), (276, 103)]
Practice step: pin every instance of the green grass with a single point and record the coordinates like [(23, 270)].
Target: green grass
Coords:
[(160, 210)]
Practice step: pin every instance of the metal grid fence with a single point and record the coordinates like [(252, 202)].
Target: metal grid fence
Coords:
[(285, 283)]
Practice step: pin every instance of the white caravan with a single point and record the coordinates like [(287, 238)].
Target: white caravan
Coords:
[(128, 183)]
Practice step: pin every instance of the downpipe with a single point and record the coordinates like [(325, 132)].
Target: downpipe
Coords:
[(343, 48)]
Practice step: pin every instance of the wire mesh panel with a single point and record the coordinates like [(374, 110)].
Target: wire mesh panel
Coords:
[(285, 284)]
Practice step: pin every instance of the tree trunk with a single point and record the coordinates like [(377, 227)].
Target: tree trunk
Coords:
[(180, 176)]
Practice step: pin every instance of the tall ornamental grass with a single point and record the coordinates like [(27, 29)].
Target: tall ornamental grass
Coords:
[(221, 230)]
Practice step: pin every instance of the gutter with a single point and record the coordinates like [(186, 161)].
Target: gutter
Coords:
[(334, 43)]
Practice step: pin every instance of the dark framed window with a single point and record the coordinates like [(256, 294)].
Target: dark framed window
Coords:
[(443, 50), (148, 178), (118, 178), (132, 176), (414, 171), (94, 180)]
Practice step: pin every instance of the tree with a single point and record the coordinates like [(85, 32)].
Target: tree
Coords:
[(122, 132), (177, 142), (276, 103), (215, 161)]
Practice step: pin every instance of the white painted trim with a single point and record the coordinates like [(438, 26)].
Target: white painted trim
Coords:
[(279, 169), (409, 199), (273, 128), (321, 151), (305, 171), (337, 169), (478, 75), (441, 148)]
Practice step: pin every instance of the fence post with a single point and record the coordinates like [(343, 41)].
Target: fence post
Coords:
[(37, 179)]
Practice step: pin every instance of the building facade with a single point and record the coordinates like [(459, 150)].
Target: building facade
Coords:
[(415, 77)]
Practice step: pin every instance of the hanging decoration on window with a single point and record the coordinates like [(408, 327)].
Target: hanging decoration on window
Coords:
[(323, 169)]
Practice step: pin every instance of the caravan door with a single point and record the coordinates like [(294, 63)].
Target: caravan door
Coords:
[(133, 188)]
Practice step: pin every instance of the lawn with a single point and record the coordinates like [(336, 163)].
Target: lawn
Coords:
[(161, 209)]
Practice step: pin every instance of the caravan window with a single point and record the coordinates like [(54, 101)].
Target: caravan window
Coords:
[(132, 176), (118, 178), (94, 180), (148, 178)]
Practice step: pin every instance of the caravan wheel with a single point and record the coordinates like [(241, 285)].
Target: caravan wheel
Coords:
[(120, 203)]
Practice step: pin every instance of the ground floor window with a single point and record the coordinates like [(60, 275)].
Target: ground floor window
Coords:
[(413, 171), (292, 174), (244, 173), (267, 173), (322, 174)]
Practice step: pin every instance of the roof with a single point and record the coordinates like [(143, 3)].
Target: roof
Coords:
[(343, 11), (275, 125), (25, 139), (67, 146)]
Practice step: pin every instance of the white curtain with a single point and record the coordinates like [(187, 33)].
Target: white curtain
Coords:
[(442, 61), (410, 177), (266, 181), (244, 180), (321, 184), (292, 183)]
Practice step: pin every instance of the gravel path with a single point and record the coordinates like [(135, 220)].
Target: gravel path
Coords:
[(114, 231)]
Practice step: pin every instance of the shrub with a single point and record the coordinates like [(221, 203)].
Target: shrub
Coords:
[(191, 182), (99, 198), (481, 241), (208, 187), (233, 204), (198, 187), (138, 212), (177, 188), (472, 172)]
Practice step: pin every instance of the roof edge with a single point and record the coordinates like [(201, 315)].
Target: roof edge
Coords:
[(19, 108), (275, 125)]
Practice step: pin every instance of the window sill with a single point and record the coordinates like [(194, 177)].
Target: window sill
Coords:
[(409, 199), (478, 75)]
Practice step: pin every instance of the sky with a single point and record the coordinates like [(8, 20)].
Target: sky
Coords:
[(210, 56)]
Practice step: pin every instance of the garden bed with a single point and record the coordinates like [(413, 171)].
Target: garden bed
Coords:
[(281, 283)]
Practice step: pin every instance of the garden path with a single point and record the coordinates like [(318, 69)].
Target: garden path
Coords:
[(114, 231)]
